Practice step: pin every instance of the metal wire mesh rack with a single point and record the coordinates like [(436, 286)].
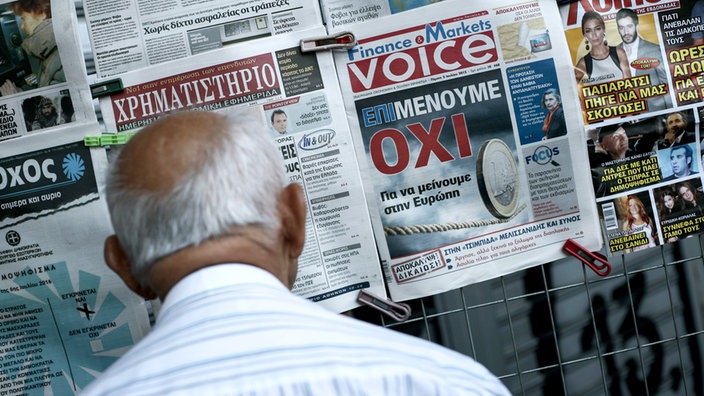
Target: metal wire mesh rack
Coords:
[(560, 329)]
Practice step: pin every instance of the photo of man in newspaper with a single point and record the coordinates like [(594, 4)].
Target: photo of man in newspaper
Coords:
[(622, 156), (678, 162), (43, 111), (678, 130), (644, 57), (35, 62), (279, 121)]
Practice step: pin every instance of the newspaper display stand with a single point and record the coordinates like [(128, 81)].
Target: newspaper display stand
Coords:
[(447, 149)]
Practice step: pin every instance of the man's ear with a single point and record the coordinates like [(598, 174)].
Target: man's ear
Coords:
[(116, 259), (294, 217)]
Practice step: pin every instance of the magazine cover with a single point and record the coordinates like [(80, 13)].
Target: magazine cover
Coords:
[(638, 76)]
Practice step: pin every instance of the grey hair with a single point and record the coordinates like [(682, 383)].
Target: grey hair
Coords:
[(550, 91), (237, 185)]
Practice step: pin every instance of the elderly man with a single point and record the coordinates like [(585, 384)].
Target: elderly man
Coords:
[(205, 221), (613, 148)]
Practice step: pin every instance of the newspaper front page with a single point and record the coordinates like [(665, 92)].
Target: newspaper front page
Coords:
[(43, 83), (64, 315), (638, 70), (474, 160), (298, 96), (130, 34)]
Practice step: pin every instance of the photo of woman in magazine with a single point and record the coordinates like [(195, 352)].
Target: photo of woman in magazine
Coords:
[(603, 62), (669, 207), (680, 209), (638, 220)]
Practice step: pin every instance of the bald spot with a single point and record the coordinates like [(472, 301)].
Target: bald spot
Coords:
[(156, 158)]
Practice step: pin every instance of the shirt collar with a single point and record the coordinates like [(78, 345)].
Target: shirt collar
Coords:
[(216, 276)]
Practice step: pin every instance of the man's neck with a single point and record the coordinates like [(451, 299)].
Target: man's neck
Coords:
[(632, 48), (246, 248)]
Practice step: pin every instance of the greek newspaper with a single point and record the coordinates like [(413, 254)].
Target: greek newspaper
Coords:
[(341, 14), (64, 316), (43, 83), (468, 147), (298, 96), (130, 34), (638, 70)]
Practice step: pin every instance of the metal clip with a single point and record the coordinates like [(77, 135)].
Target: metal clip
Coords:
[(106, 88), (588, 258), (342, 40), (398, 311)]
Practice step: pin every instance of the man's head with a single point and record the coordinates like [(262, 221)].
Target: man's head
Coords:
[(614, 140), (32, 12), (627, 22), (676, 123), (279, 121), (196, 189), (46, 107), (681, 160)]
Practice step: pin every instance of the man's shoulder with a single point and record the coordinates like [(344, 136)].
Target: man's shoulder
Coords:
[(320, 347), (649, 46)]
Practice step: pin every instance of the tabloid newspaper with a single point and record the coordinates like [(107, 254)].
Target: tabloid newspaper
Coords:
[(64, 315), (298, 95), (130, 34), (638, 70), (474, 170), (43, 83)]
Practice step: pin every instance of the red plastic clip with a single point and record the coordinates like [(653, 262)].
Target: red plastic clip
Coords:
[(337, 41), (591, 259)]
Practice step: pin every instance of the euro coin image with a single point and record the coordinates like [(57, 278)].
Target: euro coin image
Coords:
[(497, 176)]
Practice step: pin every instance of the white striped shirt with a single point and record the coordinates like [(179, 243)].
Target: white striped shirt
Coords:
[(234, 329)]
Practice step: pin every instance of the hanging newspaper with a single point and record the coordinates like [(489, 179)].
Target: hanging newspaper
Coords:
[(638, 71), (341, 14), (474, 164), (299, 97), (129, 35), (43, 82), (64, 316)]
